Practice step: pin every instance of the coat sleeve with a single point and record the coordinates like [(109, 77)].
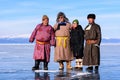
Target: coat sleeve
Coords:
[(52, 41), (69, 25), (98, 35), (32, 37), (82, 36)]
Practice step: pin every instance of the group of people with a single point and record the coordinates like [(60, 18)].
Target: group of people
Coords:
[(68, 41)]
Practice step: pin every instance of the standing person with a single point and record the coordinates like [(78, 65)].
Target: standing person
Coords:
[(92, 45), (44, 36), (62, 34), (77, 42)]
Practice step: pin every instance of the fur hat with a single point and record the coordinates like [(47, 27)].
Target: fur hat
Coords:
[(91, 16), (62, 14)]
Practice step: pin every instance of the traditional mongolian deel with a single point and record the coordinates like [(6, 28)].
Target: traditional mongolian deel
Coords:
[(62, 49), (92, 49), (62, 34), (44, 36)]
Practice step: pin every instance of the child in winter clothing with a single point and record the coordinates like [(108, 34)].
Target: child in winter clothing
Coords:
[(77, 42)]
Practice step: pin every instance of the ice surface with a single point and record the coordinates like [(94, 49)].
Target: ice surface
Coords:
[(16, 63)]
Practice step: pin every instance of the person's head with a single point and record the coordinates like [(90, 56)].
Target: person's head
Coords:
[(91, 18), (45, 20), (61, 17), (75, 23)]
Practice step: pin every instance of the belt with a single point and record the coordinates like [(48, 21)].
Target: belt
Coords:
[(59, 39), (43, 43), (91, 41)]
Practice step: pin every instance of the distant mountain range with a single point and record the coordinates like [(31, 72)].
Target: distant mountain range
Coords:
[(26, 40), (14, 40), (112, 40)]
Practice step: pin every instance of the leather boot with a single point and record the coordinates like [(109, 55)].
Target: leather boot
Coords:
[(76, 66), (96, 68), (45, 65), (90, 68), (36, 67), (68, 65), (80, 64), (61, 65)]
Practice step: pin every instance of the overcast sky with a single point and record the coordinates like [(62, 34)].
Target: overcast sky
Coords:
[(18, 18)]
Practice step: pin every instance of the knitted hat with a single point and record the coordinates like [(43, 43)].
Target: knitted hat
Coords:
[(76, 21), (91, 16), (45, 17)]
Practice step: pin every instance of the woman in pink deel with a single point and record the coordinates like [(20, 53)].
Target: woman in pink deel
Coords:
[(45, 38)]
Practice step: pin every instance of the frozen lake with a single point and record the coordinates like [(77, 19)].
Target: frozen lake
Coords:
[(16, 63)]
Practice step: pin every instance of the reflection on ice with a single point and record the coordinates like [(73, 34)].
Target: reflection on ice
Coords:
[(81, 74), (86, 76), (69, 75), (42, 76)]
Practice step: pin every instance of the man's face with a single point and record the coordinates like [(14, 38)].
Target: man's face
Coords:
[(45, 22), (90, 20), (61, 19), (74, 24)]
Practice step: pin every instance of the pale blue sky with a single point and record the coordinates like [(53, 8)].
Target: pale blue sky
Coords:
[(19, 17)]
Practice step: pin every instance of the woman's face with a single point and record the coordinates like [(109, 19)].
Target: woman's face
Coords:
[(45, 22), (74, 24), (61, 19)]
